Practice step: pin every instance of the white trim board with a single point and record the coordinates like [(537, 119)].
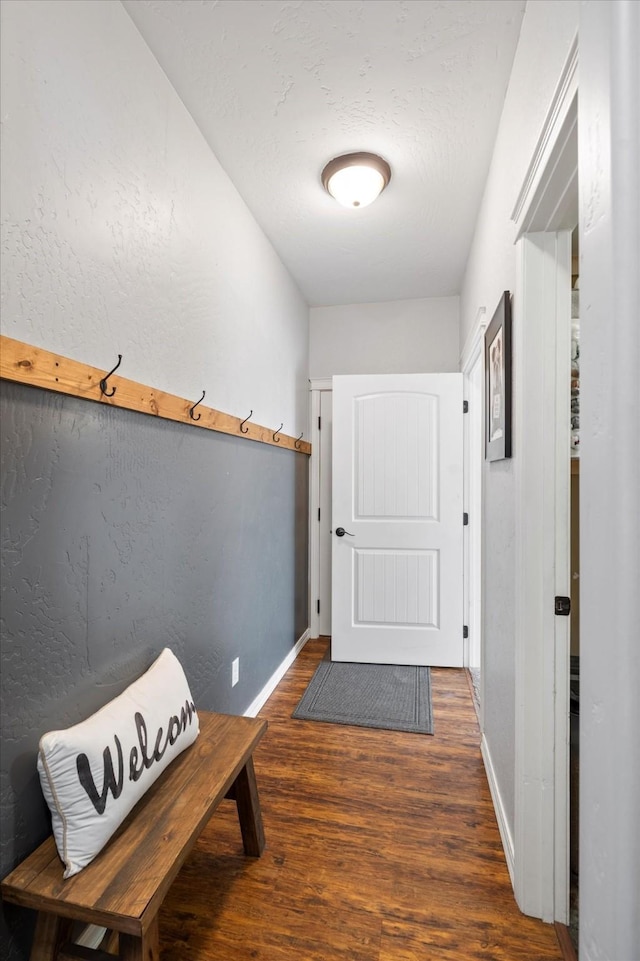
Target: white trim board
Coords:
[(266, 692), (546, 211), (473, 380), (471, 355), (317, 386), (561, 118), (314, 504), (609, 480), (542, 313), (498, 804), (321, 383), (474, 342)]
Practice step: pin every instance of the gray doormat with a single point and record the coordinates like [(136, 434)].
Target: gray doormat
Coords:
[(387, 696)]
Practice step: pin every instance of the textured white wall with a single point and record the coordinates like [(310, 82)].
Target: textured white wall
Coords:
[(399, 337), (122, 233), (548, 30)]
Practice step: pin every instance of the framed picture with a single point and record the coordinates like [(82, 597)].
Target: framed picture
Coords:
[(497, 378)]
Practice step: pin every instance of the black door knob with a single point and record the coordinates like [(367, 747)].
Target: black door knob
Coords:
[(340, 532)]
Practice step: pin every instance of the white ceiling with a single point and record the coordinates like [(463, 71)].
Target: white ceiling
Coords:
[(279, 87)]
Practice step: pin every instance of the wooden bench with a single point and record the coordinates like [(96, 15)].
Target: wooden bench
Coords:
[(124, 887)]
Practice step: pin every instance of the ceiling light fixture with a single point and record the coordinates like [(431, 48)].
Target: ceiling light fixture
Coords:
[(356, 179)]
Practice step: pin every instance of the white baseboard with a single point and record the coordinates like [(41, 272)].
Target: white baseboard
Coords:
[(276, 677), (496, 797)]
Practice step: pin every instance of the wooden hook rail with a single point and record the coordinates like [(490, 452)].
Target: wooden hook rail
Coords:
[(37, 367)]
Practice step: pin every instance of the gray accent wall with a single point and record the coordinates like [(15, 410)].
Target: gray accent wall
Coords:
[(123, 534)]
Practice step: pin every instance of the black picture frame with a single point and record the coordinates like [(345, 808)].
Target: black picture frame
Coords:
[(497, 379)]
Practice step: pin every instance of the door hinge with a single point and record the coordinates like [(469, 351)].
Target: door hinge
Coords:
[(465, 406), (465, 519), (319, 423), (465, 632), (318, 514), (318, 606), (563, 606)]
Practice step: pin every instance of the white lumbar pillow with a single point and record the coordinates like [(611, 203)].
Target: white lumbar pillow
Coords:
[(92, 774)]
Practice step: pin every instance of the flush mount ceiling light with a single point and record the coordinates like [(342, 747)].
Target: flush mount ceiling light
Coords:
[(356, 179)]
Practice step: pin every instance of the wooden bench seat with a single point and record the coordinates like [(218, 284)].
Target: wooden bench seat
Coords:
[(124, 887)]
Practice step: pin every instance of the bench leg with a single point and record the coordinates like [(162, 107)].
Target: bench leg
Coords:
[(245, 791), (51, 932), (146, 948)]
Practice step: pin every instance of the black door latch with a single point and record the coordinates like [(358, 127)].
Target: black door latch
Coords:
[(563, 606)]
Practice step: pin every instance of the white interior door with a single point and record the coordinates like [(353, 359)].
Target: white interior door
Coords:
[(397, 495)]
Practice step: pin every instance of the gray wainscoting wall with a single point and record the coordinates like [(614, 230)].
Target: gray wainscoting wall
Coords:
[(123, 534)]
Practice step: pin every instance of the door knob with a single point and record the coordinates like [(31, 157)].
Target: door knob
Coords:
[(340, 532)]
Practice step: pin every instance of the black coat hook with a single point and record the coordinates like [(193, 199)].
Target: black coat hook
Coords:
[(191, 409), (297, 443), (277, 439), (103, 382), (243, 429)]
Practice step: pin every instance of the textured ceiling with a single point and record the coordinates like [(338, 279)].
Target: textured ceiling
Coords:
[(280, 87)]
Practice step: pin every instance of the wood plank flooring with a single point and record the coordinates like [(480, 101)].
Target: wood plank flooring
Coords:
[(381, 846)]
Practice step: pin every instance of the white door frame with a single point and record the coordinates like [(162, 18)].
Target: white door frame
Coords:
[(609, 480), (545, 213), (316, 386), (542, 519), (472, 355)]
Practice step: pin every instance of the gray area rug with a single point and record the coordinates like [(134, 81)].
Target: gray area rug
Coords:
[(387, 696)]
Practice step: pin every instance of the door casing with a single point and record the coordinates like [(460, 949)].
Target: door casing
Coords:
[(545, 214), (319, 538), (472, 367)]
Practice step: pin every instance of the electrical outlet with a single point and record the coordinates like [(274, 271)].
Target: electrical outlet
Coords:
[(235, 671)]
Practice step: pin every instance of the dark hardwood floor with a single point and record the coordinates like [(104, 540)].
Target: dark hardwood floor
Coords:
[(381, 846)]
